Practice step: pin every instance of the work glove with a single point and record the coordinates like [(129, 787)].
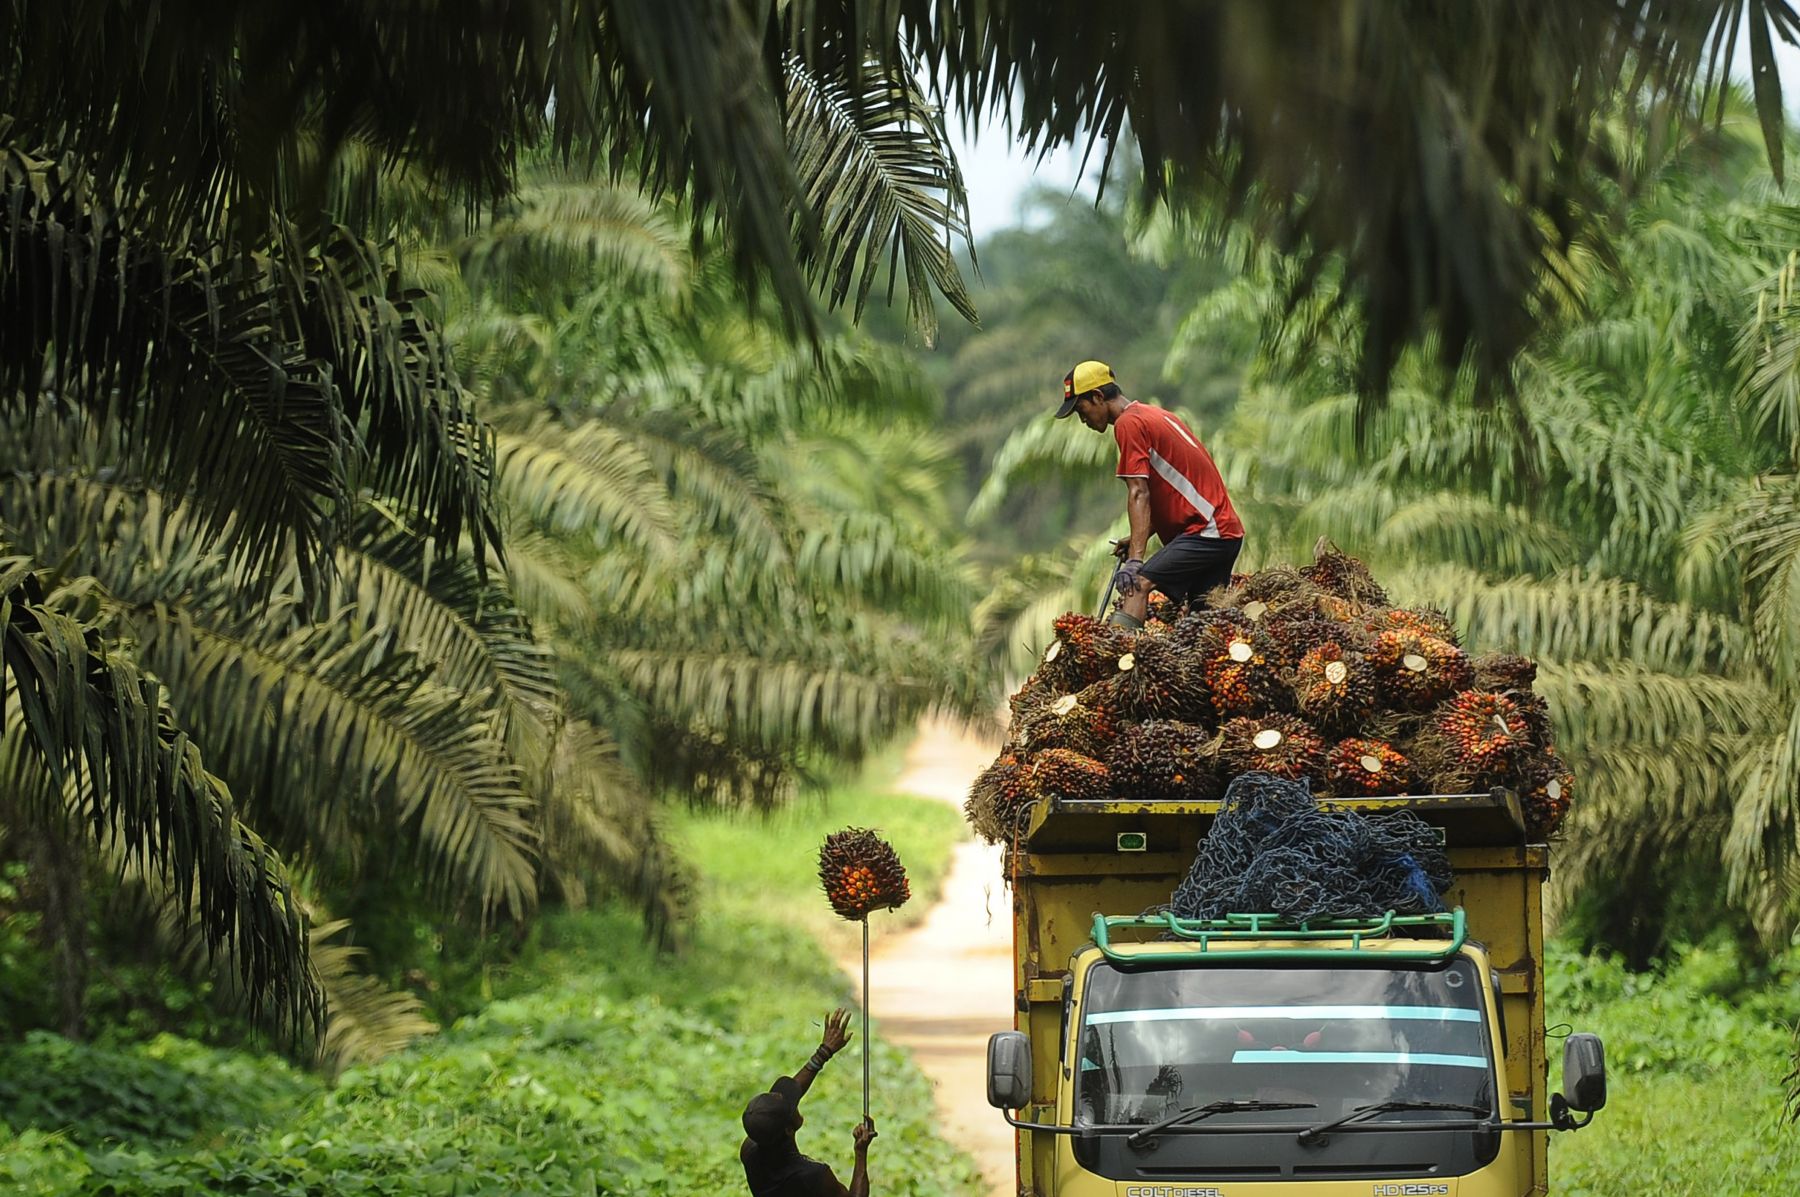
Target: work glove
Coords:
[(1126, 579)]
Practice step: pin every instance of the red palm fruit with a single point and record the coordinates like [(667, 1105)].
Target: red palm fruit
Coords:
[(1291, 635), (1092, 647), (1068, 722), (861, 872), (1337, 573), (1161, 759), (1360, 767), (1278, 744), (1417, 671), (1548, 786), (997, 795), (1058, 772), (1162, 607), (1239, 669), (1426, 621), (1476, 739), (1334, 689), (1201, 631), (1155, 679)]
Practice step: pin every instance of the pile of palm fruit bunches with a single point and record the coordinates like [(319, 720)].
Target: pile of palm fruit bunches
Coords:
[(1305, 673)]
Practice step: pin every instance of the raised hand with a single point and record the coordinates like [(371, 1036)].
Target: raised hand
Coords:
[(837, 1031)]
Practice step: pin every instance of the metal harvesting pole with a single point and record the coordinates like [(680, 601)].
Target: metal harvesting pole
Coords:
[(865, 1017)]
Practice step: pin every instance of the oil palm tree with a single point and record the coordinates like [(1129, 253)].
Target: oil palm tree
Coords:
[(258, 370)]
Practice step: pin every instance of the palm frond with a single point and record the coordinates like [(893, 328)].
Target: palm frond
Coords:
[(1043, 449), (600, 827), (105, 732), (325, 379), (1578, 616), (364, 1019), (877, 172), (568, 221), (592, 477), (444, 611), (351, 743)]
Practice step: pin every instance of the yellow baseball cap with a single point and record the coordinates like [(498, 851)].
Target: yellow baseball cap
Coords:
[(1088, 376)]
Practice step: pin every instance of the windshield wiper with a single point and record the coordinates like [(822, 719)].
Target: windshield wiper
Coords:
[(1201, 1113), (1313, 1134)]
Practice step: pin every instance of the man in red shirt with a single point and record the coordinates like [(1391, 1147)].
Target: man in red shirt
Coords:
[(1172, 488)]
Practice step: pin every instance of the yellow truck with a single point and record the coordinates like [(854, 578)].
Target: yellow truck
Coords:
[(1399, 1056)]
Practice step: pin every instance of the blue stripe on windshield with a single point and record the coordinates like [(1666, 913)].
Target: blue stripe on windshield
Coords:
[(1182, 1013), (1269, 1057)]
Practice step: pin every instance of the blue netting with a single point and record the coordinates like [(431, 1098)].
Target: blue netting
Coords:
[(1272, 848)]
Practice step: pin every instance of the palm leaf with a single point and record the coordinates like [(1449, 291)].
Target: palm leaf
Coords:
[(878, 176), (105, 732), (364, 1019), (317, 379), (351, 743)]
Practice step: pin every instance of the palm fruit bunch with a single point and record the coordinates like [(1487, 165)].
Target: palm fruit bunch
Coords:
[(1032, 695), (1155, 679), (1240, 676), (861, 872), (1425, 621), (1545, 793), (1294, 633), (998, 798), (1082, 652), (1476, 739), (1338, 609), (1504, 672), (1334, 689), (1269, 593), (1338, 574), (1278, 744), (1068, 722), (1307, 673), (1068, 774), (1367, 767), (1162, 610), (1163, 759), (1417, 671)]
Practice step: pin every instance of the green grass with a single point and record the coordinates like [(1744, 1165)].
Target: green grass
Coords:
[(755, 862), (601, 1068), (1694, 1098)]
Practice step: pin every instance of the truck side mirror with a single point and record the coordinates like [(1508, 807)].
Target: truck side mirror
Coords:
[(1584, 1072), (1009, 1070)]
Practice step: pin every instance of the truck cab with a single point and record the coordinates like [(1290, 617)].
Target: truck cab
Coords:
[(1156, 1056)]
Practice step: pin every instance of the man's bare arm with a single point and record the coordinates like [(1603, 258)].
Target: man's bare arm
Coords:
[(1137, 509), (859, 1176), (837, 1034)]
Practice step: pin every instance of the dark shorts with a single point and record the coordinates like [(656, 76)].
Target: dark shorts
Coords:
[(1190, 565)]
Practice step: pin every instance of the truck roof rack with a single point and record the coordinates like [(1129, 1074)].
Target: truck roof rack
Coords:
[(1204, 935)]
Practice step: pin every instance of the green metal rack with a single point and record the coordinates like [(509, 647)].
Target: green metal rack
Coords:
[(1204, 934)]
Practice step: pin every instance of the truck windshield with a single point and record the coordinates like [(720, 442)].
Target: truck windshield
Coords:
[(1154, 1041)]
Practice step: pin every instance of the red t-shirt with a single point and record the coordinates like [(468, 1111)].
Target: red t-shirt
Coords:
[(1186, 492)]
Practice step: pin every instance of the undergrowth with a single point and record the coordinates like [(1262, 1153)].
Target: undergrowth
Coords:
[(1694, 1057), (600, 1067)]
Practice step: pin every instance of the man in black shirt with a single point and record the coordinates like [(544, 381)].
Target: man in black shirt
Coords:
[(772, 1163)]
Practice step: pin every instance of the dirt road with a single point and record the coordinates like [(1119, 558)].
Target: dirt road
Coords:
[(943, 987)]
